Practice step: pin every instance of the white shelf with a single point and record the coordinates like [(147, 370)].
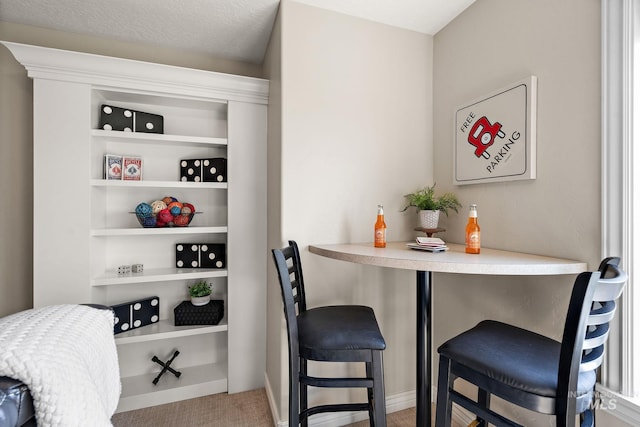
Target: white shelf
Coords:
[(158, 184), (165, 329), (98, 232), (139, 391), (156, 138), (158, 275)]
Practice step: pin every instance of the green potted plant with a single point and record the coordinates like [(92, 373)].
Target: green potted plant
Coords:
[(200, 293), (429, 205)]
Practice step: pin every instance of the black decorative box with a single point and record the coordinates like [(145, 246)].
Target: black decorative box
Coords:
[(124, 119), (200, 255), (188, 314), (204, 170), (134, 314)]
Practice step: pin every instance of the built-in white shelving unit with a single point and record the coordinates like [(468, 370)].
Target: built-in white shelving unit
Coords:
[(84, 227)]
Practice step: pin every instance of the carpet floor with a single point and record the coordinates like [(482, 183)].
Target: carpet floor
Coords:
[(248, 409)]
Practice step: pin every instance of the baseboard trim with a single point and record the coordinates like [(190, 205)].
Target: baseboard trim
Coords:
[(397, 402), (625, 408), (272, 404), (394, 403), (461, 415), (458, 415)]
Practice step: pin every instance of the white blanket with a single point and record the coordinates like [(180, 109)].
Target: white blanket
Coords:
[(66, 355)]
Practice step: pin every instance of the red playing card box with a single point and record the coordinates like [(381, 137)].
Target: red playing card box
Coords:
[(132, 168)]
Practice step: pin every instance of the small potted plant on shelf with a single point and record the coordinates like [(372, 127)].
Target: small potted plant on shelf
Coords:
[(200, 293), (429, 205)]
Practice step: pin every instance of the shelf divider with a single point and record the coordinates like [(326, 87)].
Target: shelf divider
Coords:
[(157, 184), (156, 138), (195, 381), (164, 329), (158, 275), (98, 232)]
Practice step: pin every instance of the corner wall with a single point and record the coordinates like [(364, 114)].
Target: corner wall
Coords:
[(491, 44), (16, 185), (356, 126), (276, 373)]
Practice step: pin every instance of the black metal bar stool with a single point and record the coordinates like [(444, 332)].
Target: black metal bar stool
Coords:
[(531, 370), (344, 333)]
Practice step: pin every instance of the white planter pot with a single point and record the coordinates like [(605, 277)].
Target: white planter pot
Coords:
[(429, 219), (198, 301)]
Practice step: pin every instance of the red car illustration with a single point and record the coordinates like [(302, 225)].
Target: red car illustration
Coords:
[(483, 134)]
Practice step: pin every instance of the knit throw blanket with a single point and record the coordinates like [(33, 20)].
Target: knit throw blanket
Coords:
[(66, 355)]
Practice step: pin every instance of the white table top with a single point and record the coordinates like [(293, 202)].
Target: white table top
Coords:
[(455, 260)]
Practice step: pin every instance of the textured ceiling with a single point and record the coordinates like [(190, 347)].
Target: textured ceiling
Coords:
[(233, 29)]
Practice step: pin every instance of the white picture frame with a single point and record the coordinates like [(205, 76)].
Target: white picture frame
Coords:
[(495, 135)]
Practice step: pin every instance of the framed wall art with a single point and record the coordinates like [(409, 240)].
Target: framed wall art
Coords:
[(495, 135)]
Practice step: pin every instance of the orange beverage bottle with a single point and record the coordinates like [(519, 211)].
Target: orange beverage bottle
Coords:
[(472, 232), (380, 230)]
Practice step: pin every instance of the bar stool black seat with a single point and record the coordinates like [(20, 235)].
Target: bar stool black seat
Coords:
[(531, 370), (343, 333)]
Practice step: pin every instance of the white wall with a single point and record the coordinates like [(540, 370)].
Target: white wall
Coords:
[(276, 372), (356, 131), (491, 44)]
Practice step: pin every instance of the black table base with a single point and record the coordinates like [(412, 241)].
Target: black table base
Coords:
[(423, 354)]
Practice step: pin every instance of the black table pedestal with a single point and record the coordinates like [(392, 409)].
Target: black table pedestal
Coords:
[(423, 353)]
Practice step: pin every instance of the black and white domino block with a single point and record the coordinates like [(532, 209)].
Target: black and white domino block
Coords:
[(191, 170), (147, 122), (214, 170), (127, 120), (116, 118), (134, 314), (200, 255), (204, 170), (212, 255), (187, 255)]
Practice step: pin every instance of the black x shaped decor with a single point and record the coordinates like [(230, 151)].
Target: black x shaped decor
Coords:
[(166, 367)]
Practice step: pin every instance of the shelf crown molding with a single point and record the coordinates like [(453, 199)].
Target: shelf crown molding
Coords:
[(105, 71)]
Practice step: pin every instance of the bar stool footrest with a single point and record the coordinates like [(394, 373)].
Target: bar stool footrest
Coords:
[(485, 414), (341, 407), (337, 382)]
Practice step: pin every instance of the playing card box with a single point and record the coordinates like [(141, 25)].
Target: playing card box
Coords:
[(131, 168), (200, 255), (135, 314), (112, 166)]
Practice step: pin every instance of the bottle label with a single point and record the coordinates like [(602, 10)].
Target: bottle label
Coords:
[(473, 242), (380, 236)]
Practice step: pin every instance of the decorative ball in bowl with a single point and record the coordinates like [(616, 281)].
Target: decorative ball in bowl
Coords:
[(167, 212)]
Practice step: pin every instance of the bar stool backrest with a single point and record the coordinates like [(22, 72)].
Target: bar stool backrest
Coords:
[(289, 268), (587, 329)]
